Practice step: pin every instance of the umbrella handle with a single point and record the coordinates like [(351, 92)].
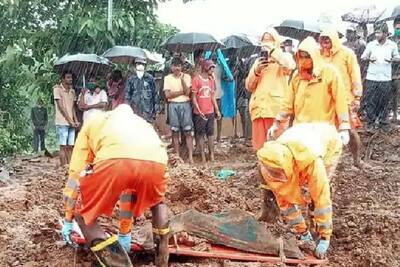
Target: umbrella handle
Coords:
[(84, 81)]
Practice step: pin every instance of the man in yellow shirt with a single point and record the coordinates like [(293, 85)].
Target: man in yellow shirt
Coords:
[(345, 61), (117, 155), (177, 91), (316, 93), (303, 156)]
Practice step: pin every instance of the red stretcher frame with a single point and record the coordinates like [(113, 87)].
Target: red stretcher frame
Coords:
[(221, 252)]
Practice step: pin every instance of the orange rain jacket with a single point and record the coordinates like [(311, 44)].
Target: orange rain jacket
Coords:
[(124, 136), (322, 99), (304, 153), (268, 88), (345, 61)]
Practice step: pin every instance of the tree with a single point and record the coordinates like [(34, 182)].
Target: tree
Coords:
[(39, 31)]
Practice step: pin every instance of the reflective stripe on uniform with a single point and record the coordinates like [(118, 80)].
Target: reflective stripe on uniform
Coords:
[(325, 225), (69, 202), (296, 221), (125, 214), (126, 198), (289, 211), (322, 211), (72, 184)]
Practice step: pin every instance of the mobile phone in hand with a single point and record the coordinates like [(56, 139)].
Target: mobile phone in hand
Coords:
[(264, 55)]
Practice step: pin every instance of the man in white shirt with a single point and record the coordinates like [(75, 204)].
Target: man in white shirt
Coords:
[(380, 54), (92, 100)]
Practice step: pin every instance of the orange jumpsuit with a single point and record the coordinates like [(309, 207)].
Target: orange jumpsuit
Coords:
[(345, 61), (321, 99), (129, 164), (301, 157)]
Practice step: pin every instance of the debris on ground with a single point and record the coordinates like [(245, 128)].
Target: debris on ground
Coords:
[(366, 206)]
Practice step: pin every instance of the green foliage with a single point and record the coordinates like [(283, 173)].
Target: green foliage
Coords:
[(36, 32)]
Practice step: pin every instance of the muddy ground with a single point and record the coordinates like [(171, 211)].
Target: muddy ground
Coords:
[(366, 205)]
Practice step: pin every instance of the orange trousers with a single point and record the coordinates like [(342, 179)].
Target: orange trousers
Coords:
[(101, 190), (260, 127)]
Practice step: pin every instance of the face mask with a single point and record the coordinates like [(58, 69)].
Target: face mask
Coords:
[(288, 49), (91, 86), (397, 32), (305, 63), (139, 73), (139, 67)]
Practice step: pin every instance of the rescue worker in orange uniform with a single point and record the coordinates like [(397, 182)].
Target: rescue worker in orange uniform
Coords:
[(316, 93), (268, 83), (345, 61), (128, 163), (305, 155)]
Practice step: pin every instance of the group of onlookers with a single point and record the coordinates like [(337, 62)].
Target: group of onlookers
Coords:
[(266, 89)]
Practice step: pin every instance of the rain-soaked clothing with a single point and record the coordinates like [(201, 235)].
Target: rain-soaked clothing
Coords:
[(269, 88), (379, 82), (143, 96), (302, 156), (345, 61), (126, 154), (358, 47), (377, 96), (323, 98)]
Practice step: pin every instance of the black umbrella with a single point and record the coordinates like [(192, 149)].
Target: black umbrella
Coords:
[(83, 65), (391, 14), (127, 54), (298, 29), (192, 41), (240, 45), (364, 15)]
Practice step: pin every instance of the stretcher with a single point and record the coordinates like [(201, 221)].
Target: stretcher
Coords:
[(221, 252)]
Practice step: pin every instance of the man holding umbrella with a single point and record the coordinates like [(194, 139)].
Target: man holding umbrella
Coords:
[(141, 93)]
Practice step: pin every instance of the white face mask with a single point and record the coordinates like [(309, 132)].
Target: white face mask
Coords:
[(139, 73), (140, 67)]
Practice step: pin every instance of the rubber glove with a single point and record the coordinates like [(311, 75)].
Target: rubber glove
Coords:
[(125, 241), (66, 231), (306, 237), (345, 136), (271, 132), (322, 248)]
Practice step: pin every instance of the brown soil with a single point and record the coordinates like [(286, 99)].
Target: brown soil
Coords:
[(366, 206)]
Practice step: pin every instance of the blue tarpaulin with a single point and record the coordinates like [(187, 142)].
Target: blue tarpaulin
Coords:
[(228, 100)]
